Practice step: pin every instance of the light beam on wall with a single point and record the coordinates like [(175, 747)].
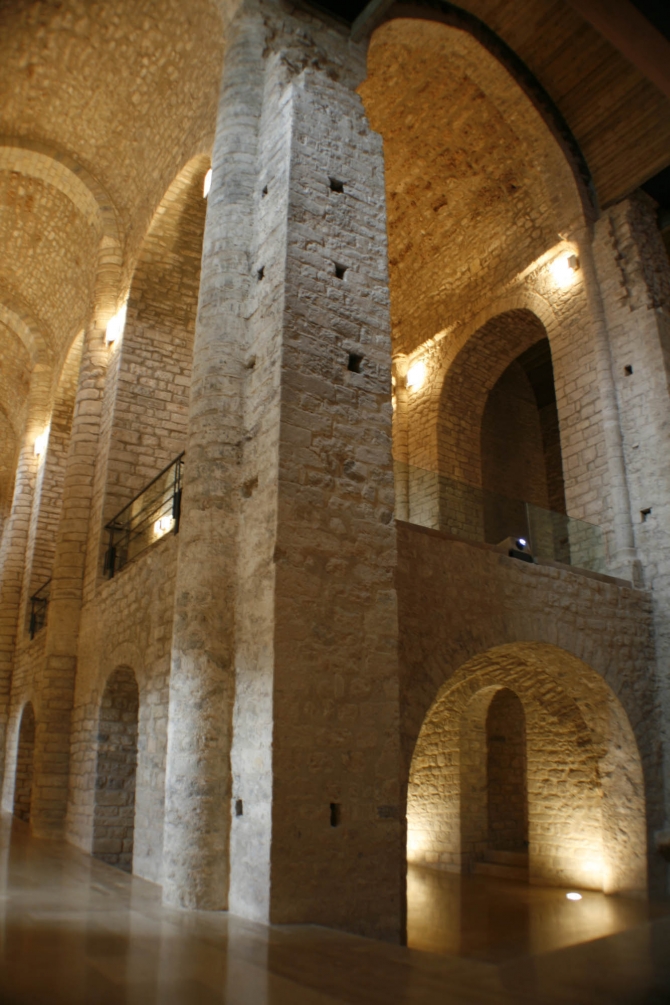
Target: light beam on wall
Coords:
[(163, 526), (41, 442), (416, 375), (207, 184), (115, 325), (564, 269)]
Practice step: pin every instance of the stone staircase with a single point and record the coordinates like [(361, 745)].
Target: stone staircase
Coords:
[(504, 865)]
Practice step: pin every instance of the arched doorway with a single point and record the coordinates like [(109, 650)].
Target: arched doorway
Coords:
[(23, 786), (114, 814), (586, 822)]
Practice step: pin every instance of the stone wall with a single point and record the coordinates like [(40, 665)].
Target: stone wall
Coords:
[(578, 650), (116, 766), (128, 624), (507, 797)]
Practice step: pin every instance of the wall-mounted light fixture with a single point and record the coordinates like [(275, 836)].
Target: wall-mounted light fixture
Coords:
[(163, 526), (115, 325), (207, 184), (416, 375), (41, 442), (564, 269)]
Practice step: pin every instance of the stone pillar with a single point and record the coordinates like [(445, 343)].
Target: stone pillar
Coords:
[(57, 675), (15, 540), (634, 275), (624, 562), (286, 609), (197, 785)]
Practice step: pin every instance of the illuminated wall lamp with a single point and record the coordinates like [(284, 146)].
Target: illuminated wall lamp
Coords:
[(207, 184), (416, 376), (564, 269), (41, 443), (115, 325), (163, 526)]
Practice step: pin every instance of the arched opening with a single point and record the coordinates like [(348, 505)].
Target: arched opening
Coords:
[(23, 785), (512, 777), (520, 436), (114, 813), (507, 795), (574, 727)]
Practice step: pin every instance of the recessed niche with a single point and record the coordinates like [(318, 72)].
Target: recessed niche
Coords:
[(239, 808), (628, 370), (260, 274), (335, 814), (355, 363), (645, 514), (336, 185), (339, 270)]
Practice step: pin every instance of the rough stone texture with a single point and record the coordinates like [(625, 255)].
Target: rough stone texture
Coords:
[(114, 814), (507, 798), (634, 274), (24, 765), (578, 651), (266, 712), (154, 369)]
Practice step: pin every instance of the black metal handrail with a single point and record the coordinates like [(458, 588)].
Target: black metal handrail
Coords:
[(38, 609), (153, 513)]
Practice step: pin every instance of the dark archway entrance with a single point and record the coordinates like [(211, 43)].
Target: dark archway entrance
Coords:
[(114, 816), (23, 787)]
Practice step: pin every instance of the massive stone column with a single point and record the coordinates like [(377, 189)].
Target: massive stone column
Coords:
[(197, 796), (283, 742), (634, 275)]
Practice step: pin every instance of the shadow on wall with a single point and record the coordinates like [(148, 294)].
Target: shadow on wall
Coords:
[(583, 775), (23, 786), (114, 815)]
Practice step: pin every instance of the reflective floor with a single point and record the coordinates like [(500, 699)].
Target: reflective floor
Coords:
[(75, 931), (495, 920)]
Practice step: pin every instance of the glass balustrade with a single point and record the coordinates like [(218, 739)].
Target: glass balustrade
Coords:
[(432, 500)]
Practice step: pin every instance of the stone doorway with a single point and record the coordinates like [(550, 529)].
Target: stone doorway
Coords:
[(23, 786), (114, 816)]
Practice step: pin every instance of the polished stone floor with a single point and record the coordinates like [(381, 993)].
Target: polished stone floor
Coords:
[(75, 931)]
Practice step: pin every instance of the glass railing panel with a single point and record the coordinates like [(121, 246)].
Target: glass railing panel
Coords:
[(476, 514), (152, 514)]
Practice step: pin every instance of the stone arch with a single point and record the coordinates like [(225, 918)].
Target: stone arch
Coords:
[(60, 170), (465, 21), (478, 186), (116, 766), (153, 367), (586, 805), (23, 784)]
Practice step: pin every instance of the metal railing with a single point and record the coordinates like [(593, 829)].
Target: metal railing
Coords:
[(38, 609), (432, 500), (153, 513)]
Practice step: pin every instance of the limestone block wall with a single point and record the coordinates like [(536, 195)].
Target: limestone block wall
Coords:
[(154, 370), (586, 646), (635, 277), (126, 627)]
